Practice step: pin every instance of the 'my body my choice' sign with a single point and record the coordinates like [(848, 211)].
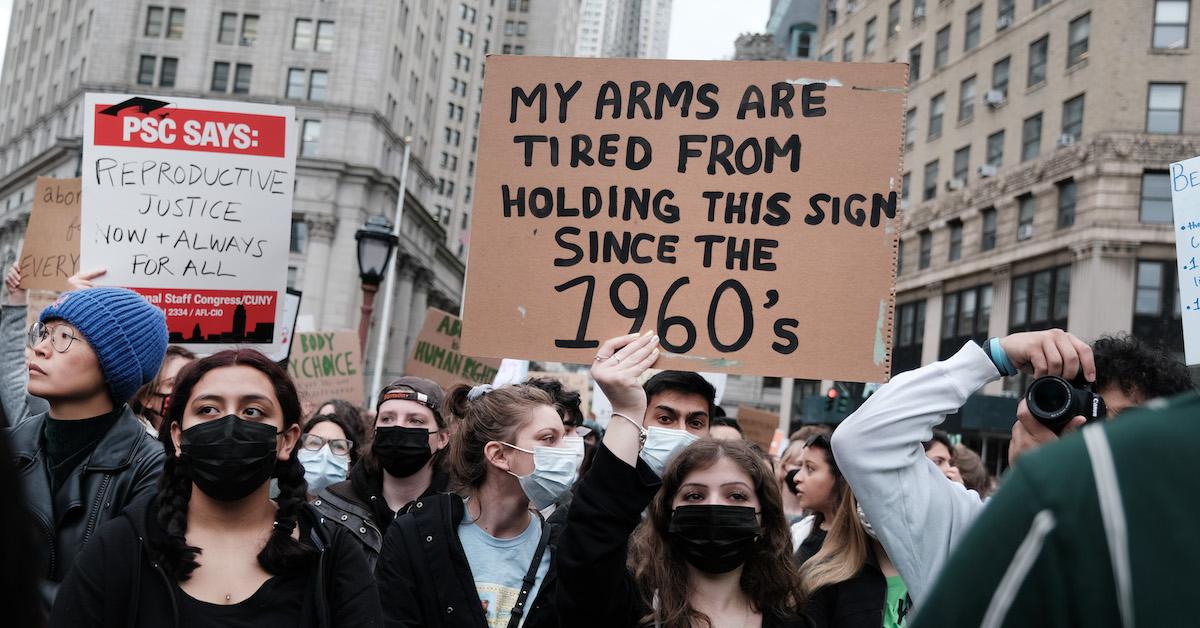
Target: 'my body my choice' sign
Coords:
[(746, 211)]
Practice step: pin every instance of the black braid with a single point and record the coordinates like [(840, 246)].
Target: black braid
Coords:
[(178, 559), (283, 554)]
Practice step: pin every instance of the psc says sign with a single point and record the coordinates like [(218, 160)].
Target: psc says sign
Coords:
[(746, 211)]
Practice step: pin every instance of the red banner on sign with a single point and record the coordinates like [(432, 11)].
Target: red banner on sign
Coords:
[(215, 316), (191, 129)]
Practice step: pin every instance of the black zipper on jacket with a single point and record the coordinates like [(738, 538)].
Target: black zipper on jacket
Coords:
[(48, 532), (95, 513)]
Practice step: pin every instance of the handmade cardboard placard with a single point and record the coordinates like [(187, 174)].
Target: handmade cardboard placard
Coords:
[(758, 426), (189, 202), (436, 354), (50, 253), (326, 365), (746, 211), (573, 381), (1185, 199), (35, 302)]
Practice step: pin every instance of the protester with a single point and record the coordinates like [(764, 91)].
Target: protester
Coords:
[(402, 464), (328, 448), (150, 401), (346, 410), (725, 428), (917, 512), (850, 582), (789, 461), (1097, 531), (210, 548), (87, 457), (566, 402), (678, 409), (940, 451), (709, 550), (970, 468), (818, 486), (14, 394), (483, 555)]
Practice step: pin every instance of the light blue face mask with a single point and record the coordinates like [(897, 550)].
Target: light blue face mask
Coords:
[(554, 471), (323, 467), (662, 445)]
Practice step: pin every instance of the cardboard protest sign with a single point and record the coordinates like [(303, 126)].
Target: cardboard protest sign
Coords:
[(327, 365), (436, 354), (579, 382), (758, 426), (50, 253), (745, 210), (35, 302), (1185, 198), (189, 203)]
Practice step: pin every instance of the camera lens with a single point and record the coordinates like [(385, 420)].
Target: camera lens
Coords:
[(1049, 397)]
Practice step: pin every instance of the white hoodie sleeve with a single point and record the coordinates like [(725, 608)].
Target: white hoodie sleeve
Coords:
[(918, 514)]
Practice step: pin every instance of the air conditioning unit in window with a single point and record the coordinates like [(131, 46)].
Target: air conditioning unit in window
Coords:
[(955, 184), (1024, 232), (987, 170), (994, 98), (918, 13), (1066, 139), (1004, 22)]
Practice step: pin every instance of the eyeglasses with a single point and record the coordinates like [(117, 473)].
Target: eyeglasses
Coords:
[(60, 336), (339, 446)]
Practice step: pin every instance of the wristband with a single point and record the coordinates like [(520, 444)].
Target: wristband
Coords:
[(1000, 358)]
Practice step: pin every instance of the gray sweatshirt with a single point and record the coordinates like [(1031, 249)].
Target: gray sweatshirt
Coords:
[(18, 404), (917, 512)]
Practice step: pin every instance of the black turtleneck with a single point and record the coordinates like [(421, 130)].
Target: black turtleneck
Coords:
[(69, 443)]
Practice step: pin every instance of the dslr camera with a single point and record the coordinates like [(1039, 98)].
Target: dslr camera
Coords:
[(1054, 401)]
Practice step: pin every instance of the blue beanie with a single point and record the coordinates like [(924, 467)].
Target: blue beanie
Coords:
[(128, 334)]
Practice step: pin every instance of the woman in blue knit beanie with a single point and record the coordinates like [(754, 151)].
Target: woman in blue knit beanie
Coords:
[(88, 457)]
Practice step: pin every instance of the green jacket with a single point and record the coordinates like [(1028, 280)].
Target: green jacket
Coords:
[(1097, 530)]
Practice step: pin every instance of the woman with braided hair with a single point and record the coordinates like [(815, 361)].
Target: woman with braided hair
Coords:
[(211, 548)]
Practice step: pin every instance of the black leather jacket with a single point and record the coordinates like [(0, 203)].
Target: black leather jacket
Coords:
[(125, 465)]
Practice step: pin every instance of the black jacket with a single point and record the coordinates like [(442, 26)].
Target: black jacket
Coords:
[(595, 589), (854, 603), (124, 466), (117, 582), (426, 581), (357, 504)]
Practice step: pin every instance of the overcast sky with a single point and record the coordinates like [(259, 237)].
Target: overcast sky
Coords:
[(705, 29)]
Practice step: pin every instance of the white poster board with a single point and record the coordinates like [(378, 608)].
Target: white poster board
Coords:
[(1185, 197), (189, 202)]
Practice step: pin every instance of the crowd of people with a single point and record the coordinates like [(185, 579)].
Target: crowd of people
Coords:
[(153, 487)]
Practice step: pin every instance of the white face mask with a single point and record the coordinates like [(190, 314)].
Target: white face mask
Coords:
[(662, 445), (554, 471), (323, 467)]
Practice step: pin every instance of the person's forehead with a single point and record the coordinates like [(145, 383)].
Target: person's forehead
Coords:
[(234, 382), (682, 402), (721, 473), (404, 407), (327, 430), (938, 448)]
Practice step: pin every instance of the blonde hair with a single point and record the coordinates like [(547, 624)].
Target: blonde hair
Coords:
[(842, 554)]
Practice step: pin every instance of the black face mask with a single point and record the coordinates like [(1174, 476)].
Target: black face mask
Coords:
[(714, 539), (402, 450), (228, 458), (790, 481)]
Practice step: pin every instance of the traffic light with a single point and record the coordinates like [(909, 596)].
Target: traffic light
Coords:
[(842, 405), (831, 399)]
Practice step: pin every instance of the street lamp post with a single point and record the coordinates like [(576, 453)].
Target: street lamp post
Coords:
[(375, 245), (389, 288)]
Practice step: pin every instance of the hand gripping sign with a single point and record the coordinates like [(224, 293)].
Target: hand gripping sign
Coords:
[(189, 203), (745, 211)]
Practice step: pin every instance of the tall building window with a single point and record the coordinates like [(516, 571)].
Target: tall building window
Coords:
[(893, 19), (1040, 300), (154, 22), (831, 16), (325, 30), (1077, 38), (1067, 194), (800, 38), (241, 78), (918, 10), (1072, 119), (914, 64), (1031, 137), (249, 30), (962, 164), (956, 234), (1026, 209), (937, 109), (175, 23), (295, 86), (869, 35), (1156, 198), (1171, 23), (929, 190), (220, 77), (304, 36), (317, 85), (974, 25), (522, 28), (1037, 4), (299, 240), (909, 336), (848, 48), (310, 138), (926, 252), (146, 67), (166, 76), (1005, 10), (1037, 61), (966, 99), (995, 149), (1000, 76), (227, 31), (910, 128), (1164, 111), (905, 184), (987, 240), (1149, 288), (941, 50), (900, 256), (966, 316)]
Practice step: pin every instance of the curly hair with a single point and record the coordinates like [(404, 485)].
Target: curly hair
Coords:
[(769, 578), (566, 402), (1138, 368), (282, 554)]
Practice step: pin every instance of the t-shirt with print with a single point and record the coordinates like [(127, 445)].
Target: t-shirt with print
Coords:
[(499, 565)]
